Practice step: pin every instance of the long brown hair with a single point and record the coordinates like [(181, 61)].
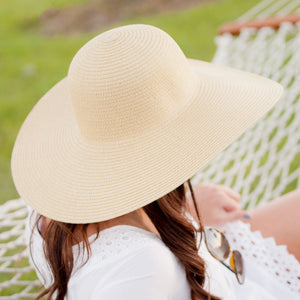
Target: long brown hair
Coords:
[(166, 213)]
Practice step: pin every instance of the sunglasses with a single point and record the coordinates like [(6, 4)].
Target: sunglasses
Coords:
[(218, 246)]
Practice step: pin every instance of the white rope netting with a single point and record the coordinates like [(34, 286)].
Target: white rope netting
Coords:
[(16, 282), (265, 161), (262, 164)]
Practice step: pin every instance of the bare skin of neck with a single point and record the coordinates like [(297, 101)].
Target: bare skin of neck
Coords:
[(136, 218)]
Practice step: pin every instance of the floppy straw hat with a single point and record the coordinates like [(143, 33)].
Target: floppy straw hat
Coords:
[(132, 120)]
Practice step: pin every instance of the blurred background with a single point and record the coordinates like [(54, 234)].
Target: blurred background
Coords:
[(39, 38)]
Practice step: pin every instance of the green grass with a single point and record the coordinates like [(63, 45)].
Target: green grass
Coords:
[(31, 63)]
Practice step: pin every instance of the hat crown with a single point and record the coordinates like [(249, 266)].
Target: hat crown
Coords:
[(128, 80)]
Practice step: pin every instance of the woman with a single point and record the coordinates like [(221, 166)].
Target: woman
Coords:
[(104, 157)]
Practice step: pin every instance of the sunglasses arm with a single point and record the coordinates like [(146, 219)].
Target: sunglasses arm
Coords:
[(226, 266)]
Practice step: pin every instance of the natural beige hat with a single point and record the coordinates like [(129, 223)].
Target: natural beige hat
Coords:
[(133, 119)]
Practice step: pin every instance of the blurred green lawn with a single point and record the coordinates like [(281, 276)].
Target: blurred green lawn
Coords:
[(31, 64)]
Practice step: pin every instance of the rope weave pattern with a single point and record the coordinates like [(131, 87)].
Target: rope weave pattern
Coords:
[(262, 164)]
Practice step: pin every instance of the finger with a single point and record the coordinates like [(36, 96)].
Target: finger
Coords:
[(229, 204), (231, 193), (234, 215)]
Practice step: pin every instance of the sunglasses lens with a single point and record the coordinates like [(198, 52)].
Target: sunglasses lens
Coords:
[(237, 264), (216, 243)]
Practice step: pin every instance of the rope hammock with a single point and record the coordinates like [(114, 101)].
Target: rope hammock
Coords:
[(262, 164), (265, 161)]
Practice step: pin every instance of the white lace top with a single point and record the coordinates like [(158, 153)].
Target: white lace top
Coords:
[(128, 262)]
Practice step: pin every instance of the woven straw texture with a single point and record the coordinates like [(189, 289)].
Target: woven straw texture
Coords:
[(133, 120)]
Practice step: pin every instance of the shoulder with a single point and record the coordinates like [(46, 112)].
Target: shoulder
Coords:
[(145, 270), (146, 255), (124, 244), (148, 274), (154, 258)]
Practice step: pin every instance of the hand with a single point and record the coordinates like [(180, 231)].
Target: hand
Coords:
[(217, 204)]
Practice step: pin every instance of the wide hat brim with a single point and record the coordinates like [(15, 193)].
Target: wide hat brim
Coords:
[(65, 178)]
